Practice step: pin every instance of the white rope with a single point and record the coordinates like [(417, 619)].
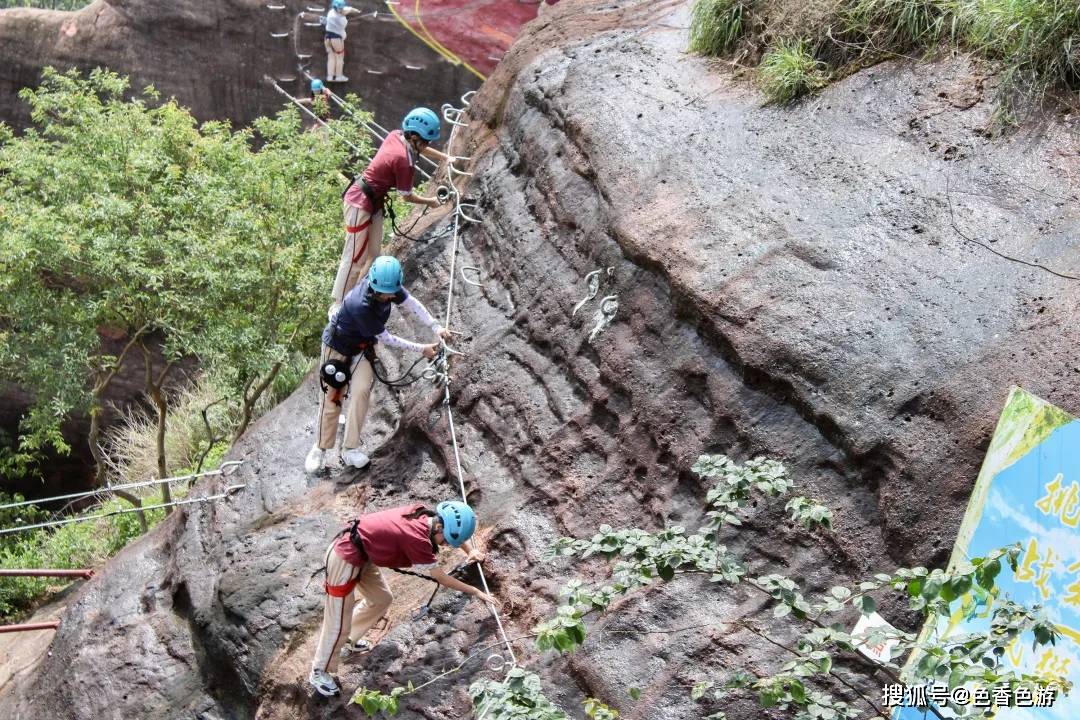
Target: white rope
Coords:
[(446, 389), (377, 130), (67, 521), (227, 468)]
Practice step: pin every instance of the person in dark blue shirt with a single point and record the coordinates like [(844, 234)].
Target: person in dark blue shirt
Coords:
[(354, 330)]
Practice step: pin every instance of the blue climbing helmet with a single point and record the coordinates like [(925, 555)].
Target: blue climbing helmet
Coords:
[(423, 122), (316, 86), (338, 4), (385, 275), (458, 521)]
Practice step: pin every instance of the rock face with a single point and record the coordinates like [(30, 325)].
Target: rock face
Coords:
[(212, 56), (791, 282)]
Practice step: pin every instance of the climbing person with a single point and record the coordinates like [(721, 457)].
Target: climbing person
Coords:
[(348, 349), (335, 20), (319, 99), (402, 537), (363, 203)]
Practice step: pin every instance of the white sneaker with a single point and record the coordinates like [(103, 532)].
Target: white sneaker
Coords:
[(341, 78), (323, 683), (316, 459), (355, 458), (351, 648)]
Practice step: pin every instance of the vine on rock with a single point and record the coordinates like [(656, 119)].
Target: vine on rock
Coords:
[(824, 678)]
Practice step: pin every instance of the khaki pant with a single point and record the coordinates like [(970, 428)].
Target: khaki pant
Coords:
[(360, 249), (357, 392), (335, 57), (376, 597)]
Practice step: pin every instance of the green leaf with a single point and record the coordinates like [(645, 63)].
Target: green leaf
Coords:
[(635, 693)]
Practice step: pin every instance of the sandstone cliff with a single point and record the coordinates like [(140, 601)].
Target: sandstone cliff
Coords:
[(790, 283)]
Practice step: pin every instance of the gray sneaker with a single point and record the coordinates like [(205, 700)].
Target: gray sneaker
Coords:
[(354, 648), (324, 683)]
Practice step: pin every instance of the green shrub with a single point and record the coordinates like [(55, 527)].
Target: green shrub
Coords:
[(716, 26), (789, 70)]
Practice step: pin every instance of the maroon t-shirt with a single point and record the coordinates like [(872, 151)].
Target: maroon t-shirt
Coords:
[(390, 169), (390, 539)]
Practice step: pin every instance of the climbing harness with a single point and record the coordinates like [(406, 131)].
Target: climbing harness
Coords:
[(335, 374)]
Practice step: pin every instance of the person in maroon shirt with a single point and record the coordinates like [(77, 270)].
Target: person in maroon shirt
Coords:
[(392, 168), (401, 537)]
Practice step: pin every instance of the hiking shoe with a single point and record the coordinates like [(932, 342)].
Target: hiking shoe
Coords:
[(323, 683), (354, 458), (352, 648), (315, 460)]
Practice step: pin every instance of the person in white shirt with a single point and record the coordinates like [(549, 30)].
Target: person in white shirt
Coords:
[(334, 39)]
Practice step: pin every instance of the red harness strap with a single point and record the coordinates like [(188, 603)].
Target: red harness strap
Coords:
[(351, 229), (340, 591)]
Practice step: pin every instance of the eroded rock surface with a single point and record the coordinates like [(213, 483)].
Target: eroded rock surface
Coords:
[(789, 282), (212, 56)]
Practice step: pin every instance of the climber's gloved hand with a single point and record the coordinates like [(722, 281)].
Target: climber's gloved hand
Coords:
[(430, 351)]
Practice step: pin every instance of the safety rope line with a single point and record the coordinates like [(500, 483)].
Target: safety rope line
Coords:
[(445, 371), (312, 115), (377, 131), (227, 468), (67, 521)]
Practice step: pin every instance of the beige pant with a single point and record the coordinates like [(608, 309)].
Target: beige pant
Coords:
[(376, 597), (359, 251), (335, 57), (358, 394)]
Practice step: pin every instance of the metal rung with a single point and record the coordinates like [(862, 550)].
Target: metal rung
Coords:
[(286, 79), (303, 56), (315, 9), (275, 7), (464, 215), (467, 98), (413, 67), (314, 24), (375, 72), (279, 35), (472, 269)]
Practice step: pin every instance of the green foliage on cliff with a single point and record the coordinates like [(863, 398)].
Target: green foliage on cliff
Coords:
[(123, 215), (1031, 42)]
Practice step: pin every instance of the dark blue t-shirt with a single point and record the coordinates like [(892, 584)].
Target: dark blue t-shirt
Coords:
[(360, 319)]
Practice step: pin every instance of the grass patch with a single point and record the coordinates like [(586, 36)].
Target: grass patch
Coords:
[(790, 70), (1036, 43), (716, 26), (894, 25)]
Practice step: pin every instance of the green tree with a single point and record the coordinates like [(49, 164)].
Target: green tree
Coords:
[(208, 243)]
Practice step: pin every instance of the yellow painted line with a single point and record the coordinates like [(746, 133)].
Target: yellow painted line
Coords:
[(452, 60), (449, 52)]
